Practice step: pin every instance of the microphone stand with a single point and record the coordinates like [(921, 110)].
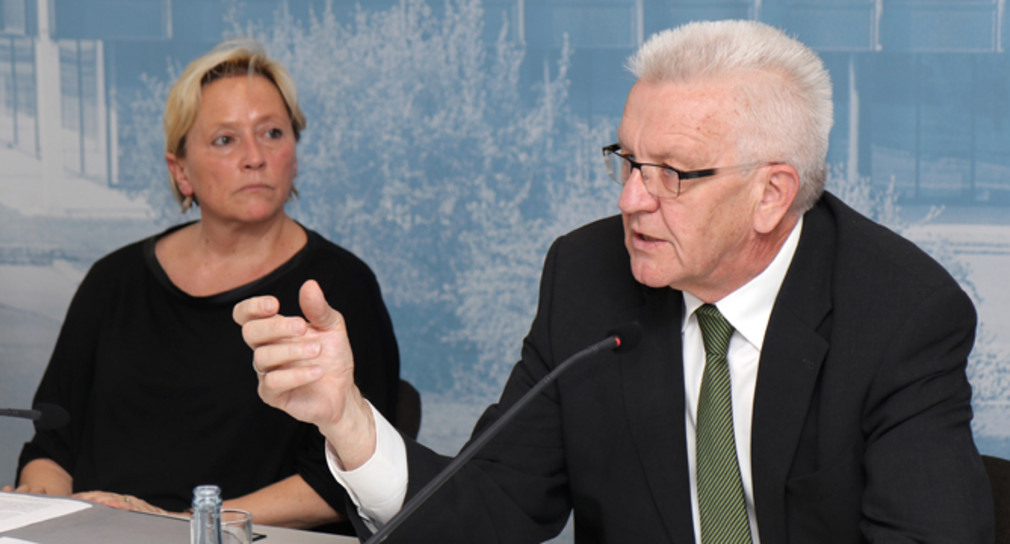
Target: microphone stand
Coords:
[(613, 341), (45, 416)]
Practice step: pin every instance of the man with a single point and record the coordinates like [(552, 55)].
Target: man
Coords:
[(833, 407)]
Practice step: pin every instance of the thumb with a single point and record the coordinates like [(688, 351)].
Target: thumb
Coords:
[(317, 311)]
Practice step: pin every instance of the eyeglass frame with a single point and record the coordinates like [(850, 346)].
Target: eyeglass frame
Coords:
[(612, 149)]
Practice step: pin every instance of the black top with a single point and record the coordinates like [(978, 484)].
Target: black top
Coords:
[(161, 391)]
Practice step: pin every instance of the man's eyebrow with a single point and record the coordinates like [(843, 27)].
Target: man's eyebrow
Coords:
[(663, 159)]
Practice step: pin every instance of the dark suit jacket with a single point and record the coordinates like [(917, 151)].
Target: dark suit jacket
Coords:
[(861, 411)]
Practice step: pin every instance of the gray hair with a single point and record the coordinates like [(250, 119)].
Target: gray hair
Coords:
[(791, 109)]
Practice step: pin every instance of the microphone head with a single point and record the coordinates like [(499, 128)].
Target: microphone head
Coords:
[(51, 416), (628, 334)]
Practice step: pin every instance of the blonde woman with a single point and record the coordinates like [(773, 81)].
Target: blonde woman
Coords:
[(149, 363)]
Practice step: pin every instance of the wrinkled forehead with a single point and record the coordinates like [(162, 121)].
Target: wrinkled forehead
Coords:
[(684, 124)]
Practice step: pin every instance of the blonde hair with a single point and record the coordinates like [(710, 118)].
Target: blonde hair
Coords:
[(230, 58), (790, 106)]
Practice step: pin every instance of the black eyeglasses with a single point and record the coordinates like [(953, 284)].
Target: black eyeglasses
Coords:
[(620, 167)]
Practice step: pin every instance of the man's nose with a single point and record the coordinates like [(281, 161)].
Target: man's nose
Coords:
[(634, 196)]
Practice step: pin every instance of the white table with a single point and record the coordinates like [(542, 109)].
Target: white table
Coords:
[(101, 525)]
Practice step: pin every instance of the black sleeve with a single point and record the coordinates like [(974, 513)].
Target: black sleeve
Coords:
[(68, 378), (924, 478)]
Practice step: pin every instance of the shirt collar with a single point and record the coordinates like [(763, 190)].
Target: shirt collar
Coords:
[(749, 308)]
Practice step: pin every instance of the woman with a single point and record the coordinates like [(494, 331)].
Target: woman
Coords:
[(149, 363)]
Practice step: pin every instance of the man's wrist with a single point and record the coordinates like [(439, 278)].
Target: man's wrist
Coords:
[(379, 485), (352, 439)]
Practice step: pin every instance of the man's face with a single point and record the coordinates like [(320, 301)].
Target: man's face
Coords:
[(702, 241)]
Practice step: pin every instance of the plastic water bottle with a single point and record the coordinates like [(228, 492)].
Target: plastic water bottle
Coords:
[(205, 525)]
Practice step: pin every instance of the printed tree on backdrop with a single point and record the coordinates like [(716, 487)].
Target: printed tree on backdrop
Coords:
[(427, 156), (142, 146)]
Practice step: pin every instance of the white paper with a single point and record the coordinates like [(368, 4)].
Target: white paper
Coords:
[(20, 509)]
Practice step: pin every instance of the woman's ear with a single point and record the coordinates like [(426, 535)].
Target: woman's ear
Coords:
[(177, 167)]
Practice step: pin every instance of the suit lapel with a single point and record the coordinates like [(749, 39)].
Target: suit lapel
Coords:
[(653, 384), (791, 358)]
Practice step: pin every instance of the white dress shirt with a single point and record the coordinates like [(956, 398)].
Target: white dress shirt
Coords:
[(379, 486)]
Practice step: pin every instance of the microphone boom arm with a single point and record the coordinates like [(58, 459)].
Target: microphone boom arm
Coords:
[(613, 341)]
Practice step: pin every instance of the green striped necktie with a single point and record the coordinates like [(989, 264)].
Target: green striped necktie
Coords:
[(720, 491)]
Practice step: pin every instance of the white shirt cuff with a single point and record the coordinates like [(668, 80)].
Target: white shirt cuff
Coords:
[(379, 486)]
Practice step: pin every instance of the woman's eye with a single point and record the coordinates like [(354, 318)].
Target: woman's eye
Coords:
[(275, 134), (222, 140)]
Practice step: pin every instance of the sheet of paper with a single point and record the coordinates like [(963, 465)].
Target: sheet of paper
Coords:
[(20, 509)]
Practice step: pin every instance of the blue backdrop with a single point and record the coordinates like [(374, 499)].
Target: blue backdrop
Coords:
[(449, 142)]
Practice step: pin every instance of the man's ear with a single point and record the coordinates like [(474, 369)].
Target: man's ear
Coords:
[(782, 184), (177, 167)]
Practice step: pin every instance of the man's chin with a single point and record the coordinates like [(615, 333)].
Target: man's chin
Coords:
[(649, 278)]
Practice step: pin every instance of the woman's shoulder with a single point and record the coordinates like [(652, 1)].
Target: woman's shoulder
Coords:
[(129, 259), (121, 259), (324, 252)]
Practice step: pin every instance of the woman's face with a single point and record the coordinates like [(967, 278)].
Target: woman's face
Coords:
[(239, 158)]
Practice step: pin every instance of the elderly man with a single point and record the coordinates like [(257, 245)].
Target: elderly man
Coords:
[(800, 376)]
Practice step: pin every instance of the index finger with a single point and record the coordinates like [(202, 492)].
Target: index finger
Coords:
[(255, 308)]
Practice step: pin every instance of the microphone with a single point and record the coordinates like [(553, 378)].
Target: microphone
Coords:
[(621, 339), (46, 416)]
